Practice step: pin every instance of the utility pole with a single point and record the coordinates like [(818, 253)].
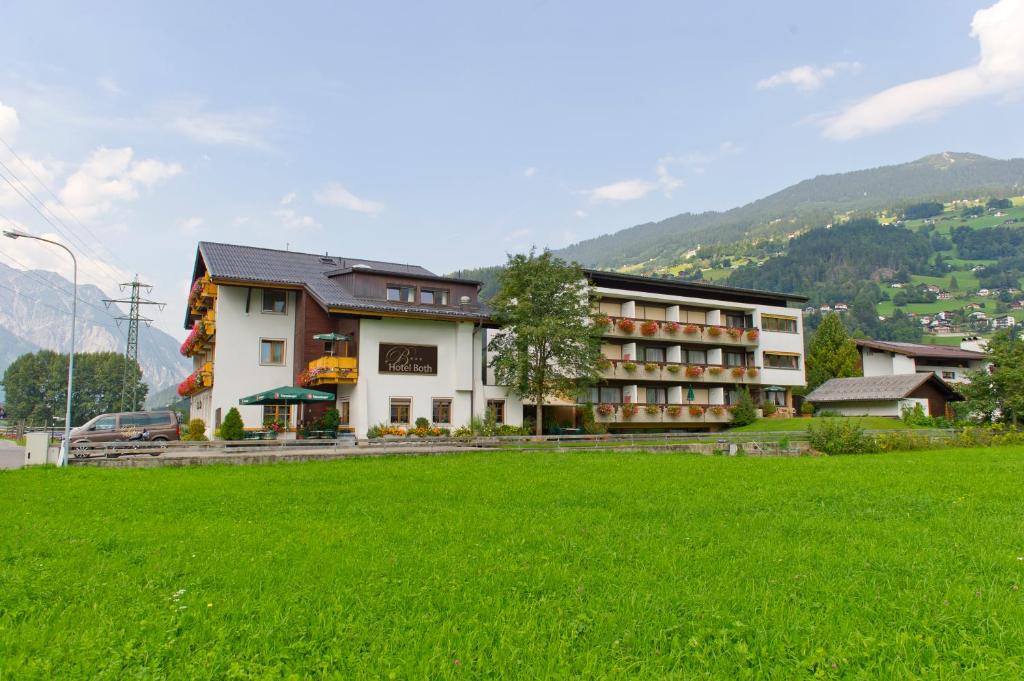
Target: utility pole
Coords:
[(131, 353)]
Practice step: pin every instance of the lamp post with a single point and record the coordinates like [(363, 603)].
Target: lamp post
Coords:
[(62, 460)]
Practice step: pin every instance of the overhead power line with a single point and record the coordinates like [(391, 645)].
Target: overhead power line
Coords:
[(134, 302)]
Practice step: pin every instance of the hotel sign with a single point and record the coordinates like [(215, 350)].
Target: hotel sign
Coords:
[(407, 359)]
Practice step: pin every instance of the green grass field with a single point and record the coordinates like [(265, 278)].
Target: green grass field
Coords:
[(801, 424), (519, 565)]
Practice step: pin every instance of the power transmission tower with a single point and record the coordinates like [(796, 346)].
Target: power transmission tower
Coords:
[(131, 352)]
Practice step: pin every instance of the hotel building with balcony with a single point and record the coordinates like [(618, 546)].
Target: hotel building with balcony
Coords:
[(677, 354), (392, 342)]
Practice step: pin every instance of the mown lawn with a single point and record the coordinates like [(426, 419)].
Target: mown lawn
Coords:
[(519, 565)]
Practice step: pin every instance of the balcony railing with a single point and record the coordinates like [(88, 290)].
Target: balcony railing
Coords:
[(330, 371), (668, 414), (680, 332), (202, 295), (678, 372), (199, 380)]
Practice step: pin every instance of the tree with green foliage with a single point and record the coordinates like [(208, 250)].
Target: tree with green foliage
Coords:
[(744, 412), (548, 344), (232, 428), (954, 285), (925, 209), (36, 386), (196, 431), (999, 204), (831, 353), (998, 394)]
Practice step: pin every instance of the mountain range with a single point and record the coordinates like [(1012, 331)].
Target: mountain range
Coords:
[(34, 315), (811, 203)]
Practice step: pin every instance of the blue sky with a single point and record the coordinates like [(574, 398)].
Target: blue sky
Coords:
[(449, 134)]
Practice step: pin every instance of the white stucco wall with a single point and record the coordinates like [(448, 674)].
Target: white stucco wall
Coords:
[(885, 408), (779, 341), (236, 358)]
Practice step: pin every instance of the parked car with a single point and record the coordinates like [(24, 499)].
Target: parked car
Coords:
[(161, 425)]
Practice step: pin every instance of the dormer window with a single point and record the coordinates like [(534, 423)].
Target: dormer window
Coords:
[(434, 296), (401, 294)]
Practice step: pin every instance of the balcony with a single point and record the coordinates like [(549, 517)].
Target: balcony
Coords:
[(678, 332), (629, 370), (330, 371), (201, 379), (200, 338), (662, 414), (202, 295)]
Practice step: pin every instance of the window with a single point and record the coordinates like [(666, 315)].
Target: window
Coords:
[(105, 423), (782, 324), (778, 361), (442, 411), (401, 294), (656, 396), (735, 359), (274, 301), (401, 410), (498, 406), (949, 374), (654, 354), (216, 418), (776, 397), (611, 394), (433, 296), (277, 413), (736, 320), (732, 396), (132, 420), (344, 414), (695, 357), (272, 352)]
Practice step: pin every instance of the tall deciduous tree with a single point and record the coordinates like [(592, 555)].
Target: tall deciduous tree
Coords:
[(998, 392), (831, 353), (548, 344), (36, 386)]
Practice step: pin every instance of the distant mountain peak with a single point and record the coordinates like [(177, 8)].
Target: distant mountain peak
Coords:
[(946, 159)]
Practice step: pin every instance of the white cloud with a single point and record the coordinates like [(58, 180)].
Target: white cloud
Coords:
[(190, 226), (530, 172), (999, 71), (295, 220), (808, 76), (624, 190), (287, 198), (109, 85), (581, 213), (109, 176), (8, 121), (240, 128), (336, 195)]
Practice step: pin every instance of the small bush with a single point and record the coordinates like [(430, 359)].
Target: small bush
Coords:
[(744, 412), (232, 428), (330, 420), (589, 423), (839, 436), (806, 408), (196, 431), (422, 423), (769, 409)]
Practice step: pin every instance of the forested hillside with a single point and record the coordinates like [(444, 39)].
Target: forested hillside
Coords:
[(659, 245)]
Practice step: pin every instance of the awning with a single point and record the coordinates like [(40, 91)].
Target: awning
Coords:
[(774, 388), (332, 337), (288, 395)]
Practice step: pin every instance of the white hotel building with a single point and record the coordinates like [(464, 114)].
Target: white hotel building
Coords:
[(677, 352)]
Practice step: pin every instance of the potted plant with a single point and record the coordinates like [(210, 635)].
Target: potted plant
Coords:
[(605, 409), (275, 427), (649, 328), (738, 372), (752, 372), (674, 410), (696, 410), (752, 334), (691, 329), (629, 410), (651, 367), (714, 331), (673, 368), (603, 363), (629, 367), (717, 410), (734, 333), (602, 320), (671, 328), (694, 371), (715, 371), (626, 325), (652, 409)]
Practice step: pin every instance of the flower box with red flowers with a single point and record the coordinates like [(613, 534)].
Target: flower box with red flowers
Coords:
[(694, 371), (671, 328), (629, 410), (626, 325), (714, 331), (738, 372), (696, 410), (605, 409), (691, 329), (649, 328), (752, 334), (674, 410), (734, 333)]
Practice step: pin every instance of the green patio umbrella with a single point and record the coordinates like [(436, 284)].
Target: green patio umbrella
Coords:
[(332, 337), (288, 395), (690, 395)]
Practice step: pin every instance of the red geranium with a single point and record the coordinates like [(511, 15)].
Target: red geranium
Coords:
[(626, 325), (649, 328)]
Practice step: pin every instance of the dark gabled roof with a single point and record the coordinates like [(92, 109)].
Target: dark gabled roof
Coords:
[(693, 289), (231, 263), (876, 388), (921, 350)]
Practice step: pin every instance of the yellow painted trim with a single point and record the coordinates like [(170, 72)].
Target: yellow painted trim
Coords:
[(257, 284), (786, 354), (778, 316)]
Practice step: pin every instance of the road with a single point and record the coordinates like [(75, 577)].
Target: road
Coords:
[(11, 455)]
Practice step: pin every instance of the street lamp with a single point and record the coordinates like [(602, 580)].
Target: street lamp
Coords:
[(62, 460)]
